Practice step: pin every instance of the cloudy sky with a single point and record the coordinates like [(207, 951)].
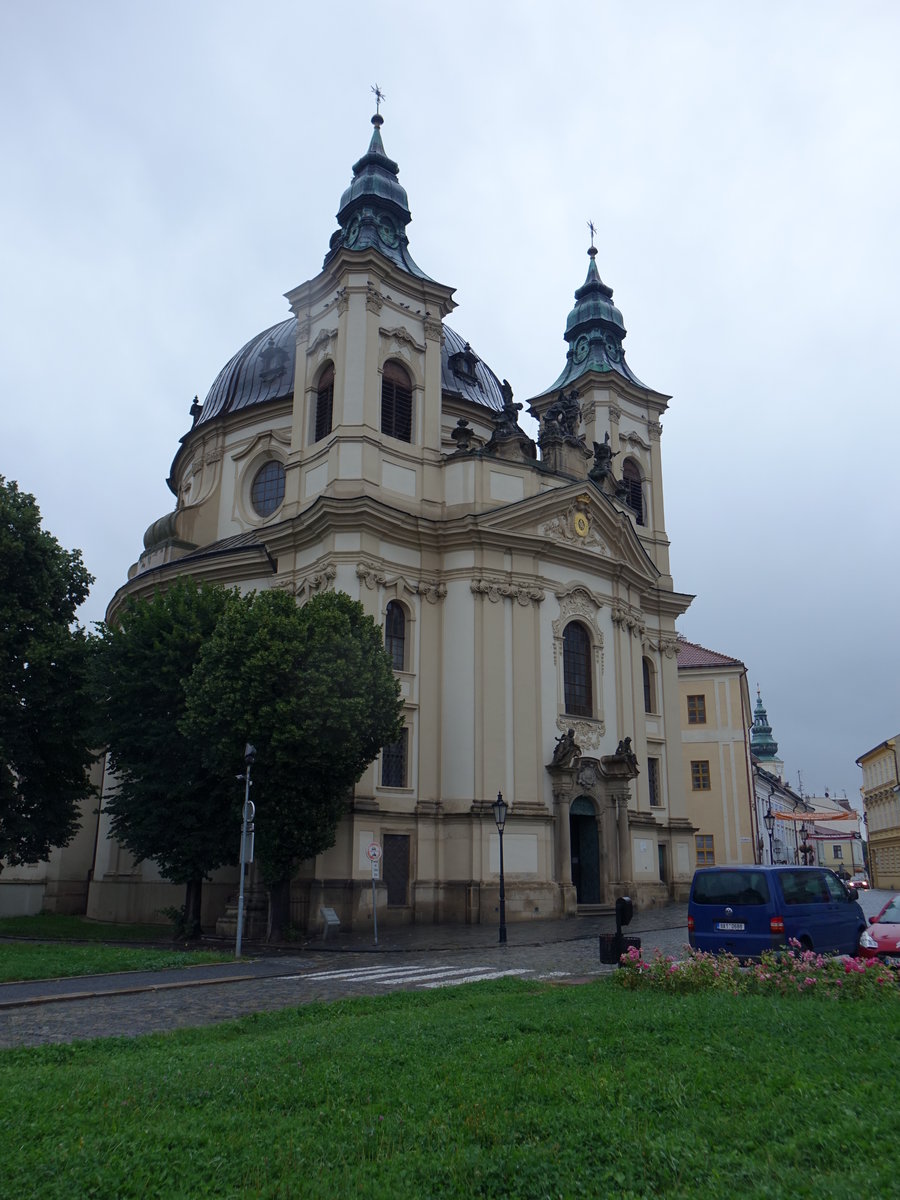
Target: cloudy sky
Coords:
[(171, 169)]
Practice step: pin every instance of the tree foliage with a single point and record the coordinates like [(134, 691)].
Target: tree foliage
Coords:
[(313, 690), (169, 805), (45, 710)]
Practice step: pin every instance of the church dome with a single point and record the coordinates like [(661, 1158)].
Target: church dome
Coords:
[(263, 370)]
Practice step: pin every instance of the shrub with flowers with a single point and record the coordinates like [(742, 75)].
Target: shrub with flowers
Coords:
[(790, 972)]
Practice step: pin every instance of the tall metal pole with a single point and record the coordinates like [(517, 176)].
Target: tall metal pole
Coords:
[(249, 811), (502, 897)]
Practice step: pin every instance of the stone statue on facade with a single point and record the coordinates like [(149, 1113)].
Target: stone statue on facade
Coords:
[(565, 750)]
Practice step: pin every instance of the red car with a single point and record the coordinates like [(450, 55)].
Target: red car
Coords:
[(882, 938), (859, 884)]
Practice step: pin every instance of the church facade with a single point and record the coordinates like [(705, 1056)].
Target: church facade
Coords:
[(524, 588)]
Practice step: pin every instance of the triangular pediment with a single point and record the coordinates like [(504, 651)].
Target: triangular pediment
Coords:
[(575, 522)]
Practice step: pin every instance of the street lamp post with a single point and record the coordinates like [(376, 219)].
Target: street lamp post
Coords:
[(249, 812), (500, 809), (769, 821)]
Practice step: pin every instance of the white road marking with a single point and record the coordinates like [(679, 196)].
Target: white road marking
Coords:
[(418, 976)]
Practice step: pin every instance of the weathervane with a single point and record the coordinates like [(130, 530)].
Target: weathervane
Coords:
[(379, 96)]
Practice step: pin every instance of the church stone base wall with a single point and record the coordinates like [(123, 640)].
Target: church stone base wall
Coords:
[(128, 901)]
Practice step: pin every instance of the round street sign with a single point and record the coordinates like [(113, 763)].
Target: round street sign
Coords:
[(373, 852)]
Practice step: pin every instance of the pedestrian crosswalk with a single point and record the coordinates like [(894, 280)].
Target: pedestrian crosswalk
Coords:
[(406, 976)]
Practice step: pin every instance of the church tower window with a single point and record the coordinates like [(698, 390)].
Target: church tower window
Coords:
[(395, 634), (577, 684), (267, 489), (324, 404), (393, 762), (649, 685), (634, 488), (396, 402)]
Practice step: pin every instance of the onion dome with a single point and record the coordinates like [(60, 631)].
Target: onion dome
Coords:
[(374, 209), (762, 744), (595, 331)]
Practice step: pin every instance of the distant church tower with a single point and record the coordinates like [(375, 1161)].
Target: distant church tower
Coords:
[(763, 746)]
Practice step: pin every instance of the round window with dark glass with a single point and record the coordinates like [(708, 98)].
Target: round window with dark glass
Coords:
[(267, 489)]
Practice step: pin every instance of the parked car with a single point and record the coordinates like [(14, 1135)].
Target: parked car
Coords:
[(746, 910), (859, 883), (882, 938)]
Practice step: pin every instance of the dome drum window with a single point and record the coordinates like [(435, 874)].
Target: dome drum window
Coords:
[(267, 488)]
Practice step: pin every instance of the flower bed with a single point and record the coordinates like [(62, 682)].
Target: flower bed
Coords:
[(789, 972)]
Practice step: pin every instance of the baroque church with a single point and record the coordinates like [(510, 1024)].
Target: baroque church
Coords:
[(523, 585)]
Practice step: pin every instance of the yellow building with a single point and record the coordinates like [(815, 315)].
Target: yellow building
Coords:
[(881, 798), (715, 715)]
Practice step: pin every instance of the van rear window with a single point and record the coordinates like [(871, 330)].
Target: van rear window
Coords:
[(731, 887)]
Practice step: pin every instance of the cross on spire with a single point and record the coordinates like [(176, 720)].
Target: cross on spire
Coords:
[(593, 228), (379, 96)]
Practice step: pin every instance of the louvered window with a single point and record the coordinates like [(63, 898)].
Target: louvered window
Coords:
[(577, 685), (634, 492), (324, 404), (395, 634), (396, 403)]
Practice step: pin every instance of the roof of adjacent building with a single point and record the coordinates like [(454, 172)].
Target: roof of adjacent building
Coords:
[(691, 655)]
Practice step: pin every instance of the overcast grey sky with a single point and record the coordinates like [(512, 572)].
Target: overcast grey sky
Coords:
[(171, 169)]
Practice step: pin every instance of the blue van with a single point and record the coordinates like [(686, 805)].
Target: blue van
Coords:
[(745, 910)]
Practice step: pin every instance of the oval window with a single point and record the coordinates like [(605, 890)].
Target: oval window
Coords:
[(267, 489)]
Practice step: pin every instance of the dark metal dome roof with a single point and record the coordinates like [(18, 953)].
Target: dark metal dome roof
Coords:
[(263, 370)]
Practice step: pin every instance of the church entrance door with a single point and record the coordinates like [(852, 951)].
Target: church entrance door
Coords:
[(585, 851)]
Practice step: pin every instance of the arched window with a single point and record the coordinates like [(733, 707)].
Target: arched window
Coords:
[(649, 685), (324, 404), (395, 634), (396, 402), (634, 491), (577, 683)]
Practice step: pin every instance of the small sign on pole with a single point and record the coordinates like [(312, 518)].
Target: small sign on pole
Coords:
[(373, 854)]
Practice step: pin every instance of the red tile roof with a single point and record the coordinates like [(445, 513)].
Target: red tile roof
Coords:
[(691, 655)]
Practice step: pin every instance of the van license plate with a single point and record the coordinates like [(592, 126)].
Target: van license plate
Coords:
[(737, 925)]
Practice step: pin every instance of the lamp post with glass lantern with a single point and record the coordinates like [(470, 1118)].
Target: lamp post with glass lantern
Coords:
[(769, 821), (500, 809)]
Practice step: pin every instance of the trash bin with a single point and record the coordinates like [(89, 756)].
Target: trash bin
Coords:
[(608, 953), (609, 947)]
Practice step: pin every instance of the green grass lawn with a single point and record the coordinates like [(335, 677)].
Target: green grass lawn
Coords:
[(35, 960), (79, 929), (504, 1089)]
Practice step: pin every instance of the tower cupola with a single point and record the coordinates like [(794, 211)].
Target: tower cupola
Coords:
[(374, 211), (595, 331)]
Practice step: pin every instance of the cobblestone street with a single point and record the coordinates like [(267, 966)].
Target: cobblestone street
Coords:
[(415, 958)]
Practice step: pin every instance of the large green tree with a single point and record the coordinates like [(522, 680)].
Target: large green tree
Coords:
[(313, 690), (169, 805), (45, 710)]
